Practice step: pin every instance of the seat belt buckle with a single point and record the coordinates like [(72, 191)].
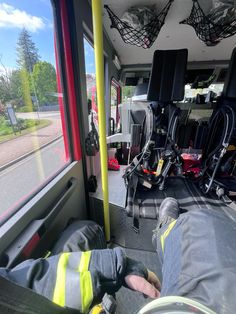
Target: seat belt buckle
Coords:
[(108, 306)]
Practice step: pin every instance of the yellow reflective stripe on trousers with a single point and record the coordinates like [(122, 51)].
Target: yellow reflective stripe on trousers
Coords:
[(86, 286), (86, 290), (84, 261), (60, 286), (166, 233)]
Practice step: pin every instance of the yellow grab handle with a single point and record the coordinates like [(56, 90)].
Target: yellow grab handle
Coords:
[(99, 64)]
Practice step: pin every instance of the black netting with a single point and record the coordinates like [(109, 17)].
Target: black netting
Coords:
[(143, 37), (210, 32)]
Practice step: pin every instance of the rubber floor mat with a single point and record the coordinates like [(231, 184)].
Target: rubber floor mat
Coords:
[(185, 191)]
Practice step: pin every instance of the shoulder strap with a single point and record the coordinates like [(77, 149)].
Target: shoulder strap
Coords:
[(135, 204), (136, 213), (15, 299)]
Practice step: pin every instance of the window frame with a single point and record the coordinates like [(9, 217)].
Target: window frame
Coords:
[(114, 83), (61, 47), (65, 129)]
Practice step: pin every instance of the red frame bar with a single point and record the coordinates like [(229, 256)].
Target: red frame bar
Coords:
[(73, 113), (61, 105)]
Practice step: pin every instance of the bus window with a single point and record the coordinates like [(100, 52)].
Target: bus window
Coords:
[(33, 138), (217, 88), (91, 82), (127, 92)]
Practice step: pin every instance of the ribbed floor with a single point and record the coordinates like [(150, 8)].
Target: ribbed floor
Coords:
[(185, 191)]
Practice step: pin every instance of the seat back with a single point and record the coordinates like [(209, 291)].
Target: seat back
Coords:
[(167, 80), (151, 167), (229, 91)]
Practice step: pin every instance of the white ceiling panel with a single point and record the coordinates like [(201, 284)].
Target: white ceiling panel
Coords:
[(172, 35)]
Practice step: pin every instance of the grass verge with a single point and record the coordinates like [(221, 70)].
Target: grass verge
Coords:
[(40, 125)]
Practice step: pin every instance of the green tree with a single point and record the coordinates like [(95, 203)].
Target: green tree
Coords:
[(25, 85), (10, 85), (5, 92), (127, 92), (44, 80), (27, 53), (16, 84)]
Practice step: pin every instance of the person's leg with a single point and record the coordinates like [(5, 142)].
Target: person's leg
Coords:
[(168, 214), (199, 258), (81, 235)]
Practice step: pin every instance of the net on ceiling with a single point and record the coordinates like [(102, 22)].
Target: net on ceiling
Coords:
[(142, 37), (211, 28)]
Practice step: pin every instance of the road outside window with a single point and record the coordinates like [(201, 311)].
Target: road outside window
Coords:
[(32, 125)]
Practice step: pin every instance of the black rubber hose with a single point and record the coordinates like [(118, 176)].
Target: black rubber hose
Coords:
[(229, 124)]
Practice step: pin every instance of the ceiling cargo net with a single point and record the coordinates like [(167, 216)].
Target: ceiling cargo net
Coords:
[(139, 26), (218, 24)]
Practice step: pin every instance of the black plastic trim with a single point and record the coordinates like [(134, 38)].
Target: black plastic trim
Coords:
[(76, 65)]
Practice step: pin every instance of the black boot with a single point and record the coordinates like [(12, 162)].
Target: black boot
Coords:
[(168, 211)]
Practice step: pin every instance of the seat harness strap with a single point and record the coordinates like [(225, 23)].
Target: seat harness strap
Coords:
[(15, 299)]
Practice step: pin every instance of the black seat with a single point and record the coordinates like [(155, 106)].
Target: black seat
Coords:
[(167, 78), (152, 166)]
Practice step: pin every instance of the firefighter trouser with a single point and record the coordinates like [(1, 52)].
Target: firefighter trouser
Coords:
[(198, 256), (77, 279)]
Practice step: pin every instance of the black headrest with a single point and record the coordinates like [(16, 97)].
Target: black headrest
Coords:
[(141, 89), (229, 90), (167, 78)]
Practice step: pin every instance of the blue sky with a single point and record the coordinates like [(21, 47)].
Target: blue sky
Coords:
[(89, 57), (36, 16)]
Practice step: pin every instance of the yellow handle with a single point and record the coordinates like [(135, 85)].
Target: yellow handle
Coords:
[(97, 309), (99, 64)]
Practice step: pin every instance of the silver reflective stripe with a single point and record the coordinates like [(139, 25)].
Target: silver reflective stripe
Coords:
[(79, 290), (73, 293)]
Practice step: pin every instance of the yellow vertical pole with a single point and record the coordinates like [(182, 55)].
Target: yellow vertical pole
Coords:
[(100, 82)]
